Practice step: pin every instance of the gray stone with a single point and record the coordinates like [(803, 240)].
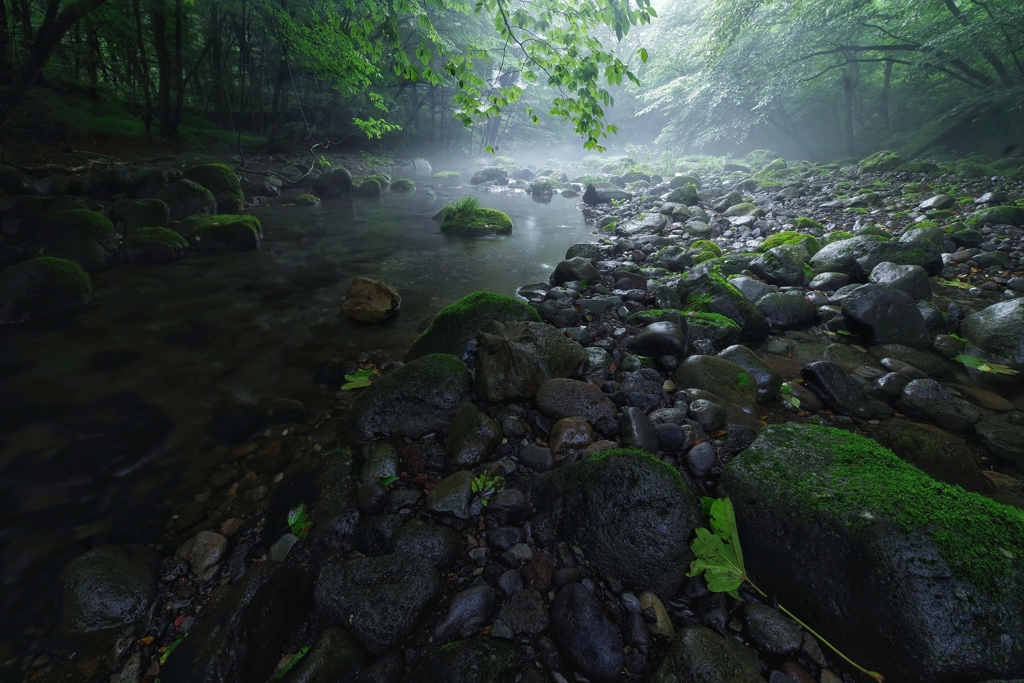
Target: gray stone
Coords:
[(202, 551), (435, 542), (472, 437), (910, 279), (701, 458), (718, 375), (451, 495), (594, 196), (468, 612), (637, 430), (1004, 434), (710, 415), (886, 316), (768, 380), (999, 332), (524, 612), (576, 268), (536, 457), (782, 265), (382, 462), (514, 360), (927, 399), (786, 311), (661, 339), (589, 641), (558, 398), (840, 392), (751, 288), (771, 631), (107, 587), (699, 655), (857, 256), (829, 281)]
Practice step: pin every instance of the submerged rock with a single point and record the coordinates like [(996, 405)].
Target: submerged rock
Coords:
[(186, 198), (43, 288), (371, 301), (221, 233), (935, 595), (514, 360), (222, 181)]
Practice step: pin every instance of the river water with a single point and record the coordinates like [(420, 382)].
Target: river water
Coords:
[(107, 417)]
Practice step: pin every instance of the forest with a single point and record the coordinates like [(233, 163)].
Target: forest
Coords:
[(822, 79)]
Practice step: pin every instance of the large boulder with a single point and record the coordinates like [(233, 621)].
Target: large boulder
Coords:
[(221, 233), (496, 174), (378, 600), (840, 392), (222, 181), (786, 310), (186, 198), (645, 224), (559, 398), (709, 292), (929, 400), (417, 398), (768, 380), (459, 323), (997, 215), (242, 637), (142, 213), (333, 183), (1004, 434), (108, 587), (594, 195), (934, 451), (886, 316), (514, 360), (699, 655), (630, 514), (153, 244), (573, 269), (937, 592), (857, 256), (477, 221), (371, 301), (718, 375), (999, 332), (43, 288), (782, 265), (86, 237), (910, 279)]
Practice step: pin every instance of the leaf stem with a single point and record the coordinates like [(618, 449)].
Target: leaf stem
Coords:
[(874, 674)]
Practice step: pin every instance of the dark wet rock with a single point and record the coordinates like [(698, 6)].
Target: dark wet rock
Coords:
[(472, 437), (468, 612), (709, 292), (888, 386), (672, 438), (594, 196), (858, 256), (375, 534), (524, 612), (644, 223), (661, 339), (590, 642), (107, 587), (927, 399), (925, 361), (771, 631), (514, 361), (242, 637), (576, 268), (829, 281), (371, 301), (999, 332), (934, 451), (673, 258), (334, 658), (591, 252), (536, 457), (202, 551), (767, 379), (558, 398), (786, 311), (715, 332), (142, 213), (637, 430), (630, 514), (222, 181), (699, 655), (153, 244), (477, 660), (378, 600), (782, 265), (701, 458), (333, 183), (569, 436), (910, 279), (436, 542), (840, 392), (490, 173), (751, 288), (1004, 434), (186, 198), (43, 288), (718, 375), (459, 323), (735, 415), (559, 312), (508, 506), (932, 599), (451, 495), (86, 237), (221, 233), (708, 414), (886, 316), (417, 398)]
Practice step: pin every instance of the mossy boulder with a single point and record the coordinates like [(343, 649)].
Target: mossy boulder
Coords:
[(403, 185), (516, 370), (222, 181), (709, 292), (702, 246), (478, 222), (683, 194), (416, 399), (545, 187), (333, 183), (86, 237), (369, 188), (938, 591), (881, 162), (43, 288), (1009, 215), (221, 233), (307, 200), (717, 329), (681, 180), (628, 512), (142, 213), (494, 174), (459, 323), (153, 244), (187, 198), (858, 255), (808, 242)]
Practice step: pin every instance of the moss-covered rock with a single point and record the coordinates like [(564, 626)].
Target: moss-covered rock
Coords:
[(333, 183), (685, 194), (460, 322), (709, 292), (881, 162), (477, 660), (702, 246), (153, 244), (681, 180), (187, 198), (836, 236), (142, 213), (221, 233), (43, 288), (938, 591), (545, 187), (418, 398), (222, 181), (403, 185), (478, 222), (86, 237), (857, 256), (1009, 215), (307, 200), (808, 242), (369, 188)]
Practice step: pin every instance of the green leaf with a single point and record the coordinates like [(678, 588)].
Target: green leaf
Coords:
[(845, 333), (984, 366), (743, 379), (170, 649), (294, 660), (359, 380), (719, 556), (299, 521), (786, 389), (387, 481)]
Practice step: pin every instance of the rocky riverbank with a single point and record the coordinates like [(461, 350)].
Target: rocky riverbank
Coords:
[(835, 349)]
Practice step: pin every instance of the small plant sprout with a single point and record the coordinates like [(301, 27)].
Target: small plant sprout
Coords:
[(720, 560), (299, 521), (486, 485)]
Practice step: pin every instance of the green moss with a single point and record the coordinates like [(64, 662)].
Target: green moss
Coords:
[(715, 274), (610, 227), (153, 244), (222, 181), (975, 535), (636, 453), (221, 232), (459, 322), (699, 303), (369, 188), (447, 174), (791, 237), (808, 224), (712, 318), (808, 271), (880, 162), (80, 235), (477, 222), (42, 287), (856, 210), (925, 224), (704, 256), (706, 245), (836, 236), (307, 200), (403, 185), (1011, 215), (655, 315)]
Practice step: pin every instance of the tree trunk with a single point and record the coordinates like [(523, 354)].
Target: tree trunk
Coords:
[(885, 94), (158, 18), (6, 68), (991, 56), (147, 117), (179, 69), (849, 84), (51, 32), (95, 55)]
